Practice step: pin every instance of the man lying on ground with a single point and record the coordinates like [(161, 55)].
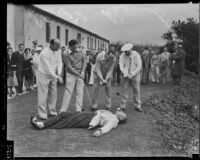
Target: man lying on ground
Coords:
[(104, 118)]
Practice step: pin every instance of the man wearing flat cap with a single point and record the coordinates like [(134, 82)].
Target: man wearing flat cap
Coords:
[(130, 65)]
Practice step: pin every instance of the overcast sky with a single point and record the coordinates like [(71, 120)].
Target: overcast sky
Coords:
[(138, 23)]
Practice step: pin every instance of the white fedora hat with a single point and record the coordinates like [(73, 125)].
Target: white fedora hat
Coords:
[(127, 47)]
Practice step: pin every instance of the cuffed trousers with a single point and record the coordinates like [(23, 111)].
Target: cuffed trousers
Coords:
[(47, 94), (72, 82), (135, 84)]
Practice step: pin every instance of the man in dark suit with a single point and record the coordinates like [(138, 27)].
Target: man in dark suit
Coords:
[(17, 59)]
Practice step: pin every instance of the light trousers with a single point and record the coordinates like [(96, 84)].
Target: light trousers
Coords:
[(47, 94), (135, 84), (96, 87), (155, 73), (72, 82)]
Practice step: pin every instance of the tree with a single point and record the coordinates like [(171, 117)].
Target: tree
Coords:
[(188, 32)]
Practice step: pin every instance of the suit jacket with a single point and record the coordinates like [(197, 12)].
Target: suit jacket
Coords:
[(18, 60)]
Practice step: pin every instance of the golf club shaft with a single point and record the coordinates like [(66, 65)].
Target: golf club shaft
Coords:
[(88, 95), (73, 97)]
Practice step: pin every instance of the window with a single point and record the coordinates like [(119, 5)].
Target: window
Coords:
[(88, 43), (58, 32), (48, 32), (66, 37), (91, 43), (79, 38)]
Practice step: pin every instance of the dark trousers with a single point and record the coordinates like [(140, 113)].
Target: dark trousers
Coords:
[(20, 75), (118, 74), (88, 73), (69, 120)]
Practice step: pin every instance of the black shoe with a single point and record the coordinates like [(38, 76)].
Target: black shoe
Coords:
[(93, 109), (138, 109), (83, 109), (33, 123)]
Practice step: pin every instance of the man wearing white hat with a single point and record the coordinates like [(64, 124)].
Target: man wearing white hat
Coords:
[(36, 61), (130, 65)]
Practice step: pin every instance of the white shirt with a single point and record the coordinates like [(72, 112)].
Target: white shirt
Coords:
[(106, 119), (50, 62), (165, 56), (130, 65)]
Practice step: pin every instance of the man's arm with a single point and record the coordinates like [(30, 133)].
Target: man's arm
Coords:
[(69, 66), (110, 71), (95, 120), (84, 63), (139, 66), (98, 66), (121, 63), (46, 64), (59, 64)]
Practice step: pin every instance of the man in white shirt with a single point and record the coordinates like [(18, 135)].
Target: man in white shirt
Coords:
[(50, 63), (104, 118), (130, 66)]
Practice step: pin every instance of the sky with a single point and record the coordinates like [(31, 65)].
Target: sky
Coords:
[(136, 23)]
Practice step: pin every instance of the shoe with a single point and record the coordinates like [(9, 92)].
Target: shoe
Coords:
[(33, 123), (93, 109), (138, 109), (83, 109), (19, 94)]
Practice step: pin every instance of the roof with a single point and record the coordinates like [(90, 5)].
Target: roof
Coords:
[(64, 21)]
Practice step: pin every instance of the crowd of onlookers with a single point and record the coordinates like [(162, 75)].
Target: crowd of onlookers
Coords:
[(157, 66), (21, 68)]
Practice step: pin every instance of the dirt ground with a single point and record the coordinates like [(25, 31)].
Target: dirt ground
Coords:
[(138, 137)]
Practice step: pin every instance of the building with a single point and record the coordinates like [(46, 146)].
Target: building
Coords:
[(26, 23)]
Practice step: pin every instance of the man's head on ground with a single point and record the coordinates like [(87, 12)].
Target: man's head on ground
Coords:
[(9, 51), (21, 47), (73, 45), (55, 44), (121, 116)]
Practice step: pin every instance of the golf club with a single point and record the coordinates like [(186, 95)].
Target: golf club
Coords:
[(88, 94), (74, 99)]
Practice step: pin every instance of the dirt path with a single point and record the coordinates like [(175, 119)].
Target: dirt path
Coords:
[(137, 137)]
